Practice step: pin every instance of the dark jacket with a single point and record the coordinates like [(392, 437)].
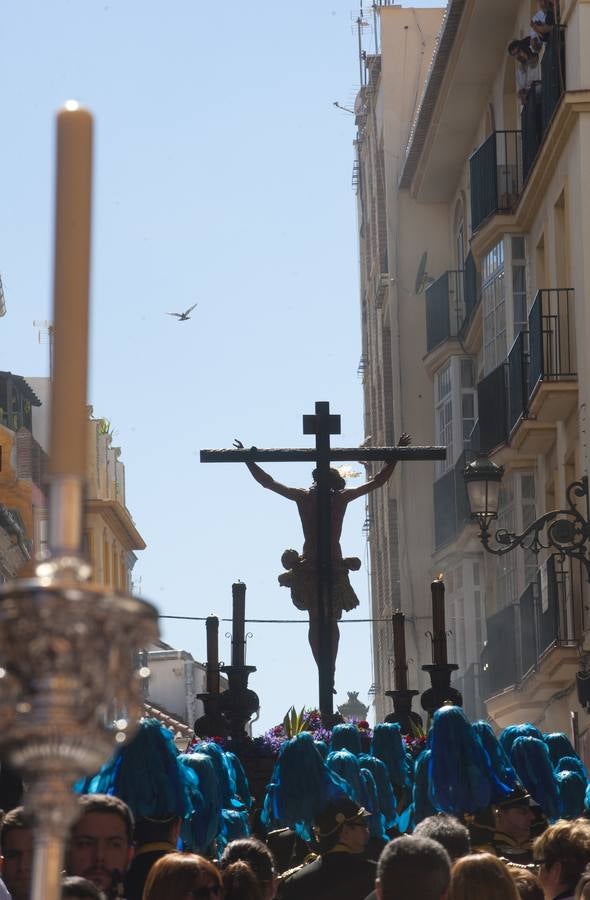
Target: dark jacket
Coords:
[(140, 866), (334, 876)]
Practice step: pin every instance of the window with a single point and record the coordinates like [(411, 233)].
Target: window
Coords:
[(455, 408), (468, 394), (444, 416), (519, 287), (493, 297), (516, 510)]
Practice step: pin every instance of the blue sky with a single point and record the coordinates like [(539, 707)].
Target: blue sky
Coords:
[(223, 177)]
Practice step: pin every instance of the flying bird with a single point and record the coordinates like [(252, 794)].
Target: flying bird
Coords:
[(184, 316)]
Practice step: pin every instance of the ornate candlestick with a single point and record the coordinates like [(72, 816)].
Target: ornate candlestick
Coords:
[(68, 686), (212, 723), (409, 721), (440, 671), (238, 703)]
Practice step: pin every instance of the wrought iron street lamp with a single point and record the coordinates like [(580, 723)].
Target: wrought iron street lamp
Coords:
[(563, 532)]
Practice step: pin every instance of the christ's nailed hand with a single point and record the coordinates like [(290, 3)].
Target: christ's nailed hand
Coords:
[(404, 440), (238, 444)]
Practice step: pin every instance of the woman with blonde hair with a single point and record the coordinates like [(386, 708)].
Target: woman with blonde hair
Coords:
[(183, 876), (482, 876)]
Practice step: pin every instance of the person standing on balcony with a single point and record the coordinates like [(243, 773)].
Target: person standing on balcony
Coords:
[(542, 25), (526, 66)]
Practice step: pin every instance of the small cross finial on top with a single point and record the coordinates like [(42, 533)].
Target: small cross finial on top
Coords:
[(322, 422)]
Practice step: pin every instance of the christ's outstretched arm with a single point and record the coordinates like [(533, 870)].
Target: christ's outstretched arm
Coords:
[(381, 478), (267, 481)]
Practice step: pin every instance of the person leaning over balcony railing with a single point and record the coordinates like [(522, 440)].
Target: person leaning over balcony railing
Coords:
[(542, 25), (526, 65)]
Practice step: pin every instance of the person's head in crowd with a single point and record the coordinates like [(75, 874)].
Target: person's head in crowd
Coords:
[(240, 882), (527, 884), (257, 856), (75, 888), (448, 831), (152, 831), (482, 876), (521, 50), (515, 816), (559, 745), (562, 853), (572, 794), (583, 888), (16, 843), (183, 876), (342, 825), (417, 866), (532, 763), (100, 847)]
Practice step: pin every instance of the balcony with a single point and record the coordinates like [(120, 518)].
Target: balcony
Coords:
[(537, 385), (538, 634), (496, 176), (552, 377), (552, 74), (445, 308), (542, 99), (492, 404), (450, 303), (451, 504)]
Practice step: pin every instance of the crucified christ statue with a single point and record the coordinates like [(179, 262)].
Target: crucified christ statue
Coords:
[(302, 569)]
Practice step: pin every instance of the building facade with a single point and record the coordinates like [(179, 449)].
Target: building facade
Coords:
[(22, 474), (111, 537), (175, 680), (489, 181)]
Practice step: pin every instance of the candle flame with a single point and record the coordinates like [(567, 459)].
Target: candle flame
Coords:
[(71, 105), (440, 576)]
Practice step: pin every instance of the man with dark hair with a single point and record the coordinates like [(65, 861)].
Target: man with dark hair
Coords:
[(448, 831), (415, 868), (16, 843), (154, 838), (341, 871), (100, 847)]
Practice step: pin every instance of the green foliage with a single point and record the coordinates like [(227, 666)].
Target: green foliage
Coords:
[(294, 722)]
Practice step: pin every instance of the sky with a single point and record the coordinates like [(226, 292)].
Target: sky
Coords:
[(222, 177)]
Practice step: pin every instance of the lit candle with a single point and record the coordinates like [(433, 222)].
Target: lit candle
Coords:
[(238, 591), (212, 627), (400, 671), (70, 292), (439, 634)]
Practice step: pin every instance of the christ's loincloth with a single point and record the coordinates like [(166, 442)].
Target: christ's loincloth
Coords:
[(302, 579)]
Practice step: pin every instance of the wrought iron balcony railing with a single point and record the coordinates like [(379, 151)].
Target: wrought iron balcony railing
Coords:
[(547, 614), (552, 348), (496, 176), (492, 405), (542, 99)]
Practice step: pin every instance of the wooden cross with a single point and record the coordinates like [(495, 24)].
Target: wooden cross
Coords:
[(323, 424)]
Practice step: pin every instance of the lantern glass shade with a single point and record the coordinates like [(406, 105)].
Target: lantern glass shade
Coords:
[(482, 478)]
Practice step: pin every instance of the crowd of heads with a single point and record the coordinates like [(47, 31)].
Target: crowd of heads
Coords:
[(471, 815)]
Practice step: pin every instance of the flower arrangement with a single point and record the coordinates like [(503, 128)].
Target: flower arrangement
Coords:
[(310, 720)]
